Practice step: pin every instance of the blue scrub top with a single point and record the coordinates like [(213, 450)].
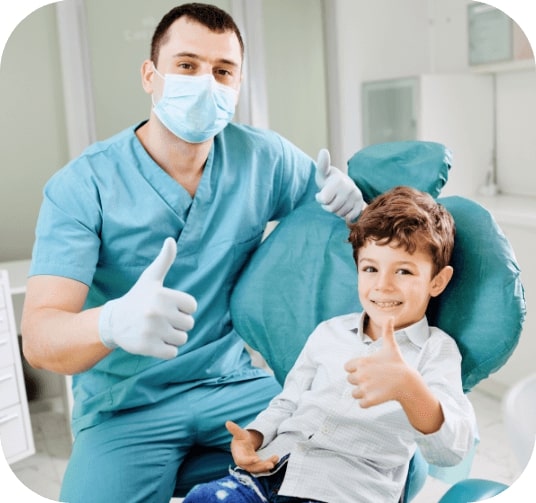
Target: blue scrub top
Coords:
[(103, 221)]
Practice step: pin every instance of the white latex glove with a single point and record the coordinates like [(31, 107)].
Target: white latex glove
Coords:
[(338, 192), (149, 319)]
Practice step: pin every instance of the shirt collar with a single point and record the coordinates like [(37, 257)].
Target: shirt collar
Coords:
[(418, 333)]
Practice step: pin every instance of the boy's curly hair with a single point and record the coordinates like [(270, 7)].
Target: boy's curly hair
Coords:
[(409, 218)]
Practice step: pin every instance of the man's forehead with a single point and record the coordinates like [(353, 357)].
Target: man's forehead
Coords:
[(188, 36)]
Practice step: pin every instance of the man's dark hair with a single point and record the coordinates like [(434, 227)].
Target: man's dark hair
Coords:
[(214, 18)]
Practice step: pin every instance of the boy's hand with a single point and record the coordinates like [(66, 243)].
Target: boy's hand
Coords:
[(380, 377), (244, 447)]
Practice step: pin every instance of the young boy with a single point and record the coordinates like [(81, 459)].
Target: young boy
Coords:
[(367, 388)]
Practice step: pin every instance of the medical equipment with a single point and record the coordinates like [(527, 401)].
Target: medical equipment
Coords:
[(304, 273)]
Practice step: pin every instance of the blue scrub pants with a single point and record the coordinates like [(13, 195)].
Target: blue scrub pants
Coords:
[(134, 456)]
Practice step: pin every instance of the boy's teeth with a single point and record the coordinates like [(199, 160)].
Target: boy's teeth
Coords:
[(387, 304)]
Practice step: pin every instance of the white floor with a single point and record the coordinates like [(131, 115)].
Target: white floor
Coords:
[(43, 472)]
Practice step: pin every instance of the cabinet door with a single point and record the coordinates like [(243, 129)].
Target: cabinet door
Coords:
[(15, 427), (6, 349), (390, 110), (15, 442)]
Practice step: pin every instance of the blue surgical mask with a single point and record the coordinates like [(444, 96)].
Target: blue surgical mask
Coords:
[(195, 108)]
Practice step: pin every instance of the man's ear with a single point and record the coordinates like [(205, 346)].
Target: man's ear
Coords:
[(147, 76), (441, 280)]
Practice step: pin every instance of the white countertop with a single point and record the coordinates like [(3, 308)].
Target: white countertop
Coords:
[(514, 210)]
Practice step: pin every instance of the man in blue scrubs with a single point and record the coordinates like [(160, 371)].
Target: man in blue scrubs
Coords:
[(138, 245)]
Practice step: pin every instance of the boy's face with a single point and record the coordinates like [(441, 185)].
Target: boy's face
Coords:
[(393, 283)]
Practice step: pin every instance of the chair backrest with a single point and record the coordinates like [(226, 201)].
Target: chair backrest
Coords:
[(304, 273)]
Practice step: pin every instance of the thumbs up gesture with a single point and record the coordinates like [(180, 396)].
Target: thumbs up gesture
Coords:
[(379, 377), (149, 319), (338, 193)]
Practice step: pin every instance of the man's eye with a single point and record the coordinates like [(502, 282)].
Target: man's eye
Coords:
[(403, 271), (224, 76), (368, 268)]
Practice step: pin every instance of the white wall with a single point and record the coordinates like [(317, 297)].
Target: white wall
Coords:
[(516, 134), (369, 44), (455, 109), (295, 69), (33, 142)]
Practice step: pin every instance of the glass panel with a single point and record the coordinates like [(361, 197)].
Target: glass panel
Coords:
[(389, 111)]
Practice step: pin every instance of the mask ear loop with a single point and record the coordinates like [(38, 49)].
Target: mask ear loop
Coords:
[(157, 72), (161, 76)]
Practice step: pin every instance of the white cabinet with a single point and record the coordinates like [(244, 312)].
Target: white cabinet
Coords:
[(15, 427), (453, 109)]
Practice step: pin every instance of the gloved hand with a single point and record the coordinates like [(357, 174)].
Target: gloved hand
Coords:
[(338, 192), (149, 319)]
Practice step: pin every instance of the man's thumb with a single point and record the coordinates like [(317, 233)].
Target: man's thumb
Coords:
[(159, 268), (323, 164)]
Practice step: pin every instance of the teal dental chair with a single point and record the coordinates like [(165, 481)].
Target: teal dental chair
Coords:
[(303, 273)]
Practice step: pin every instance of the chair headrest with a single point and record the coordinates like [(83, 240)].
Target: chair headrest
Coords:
[(423, 165)]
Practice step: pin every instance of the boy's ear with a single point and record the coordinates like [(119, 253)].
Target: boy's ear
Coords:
[(441, 280)]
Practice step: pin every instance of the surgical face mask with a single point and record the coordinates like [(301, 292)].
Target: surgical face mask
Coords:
[(195, 108)]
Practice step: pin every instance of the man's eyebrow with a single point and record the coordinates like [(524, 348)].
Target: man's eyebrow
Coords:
[(196, 56), (229, 62), (186, 54)]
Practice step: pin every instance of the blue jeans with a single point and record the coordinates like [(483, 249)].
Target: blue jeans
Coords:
[(241, 487)]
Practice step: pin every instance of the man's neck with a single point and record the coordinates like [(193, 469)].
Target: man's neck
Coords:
[(181, 160)]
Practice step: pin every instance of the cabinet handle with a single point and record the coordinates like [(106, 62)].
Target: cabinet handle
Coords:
[(6, 419), (6, 377)]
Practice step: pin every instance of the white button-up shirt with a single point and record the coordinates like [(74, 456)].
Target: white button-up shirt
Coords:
[(340, 452)]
